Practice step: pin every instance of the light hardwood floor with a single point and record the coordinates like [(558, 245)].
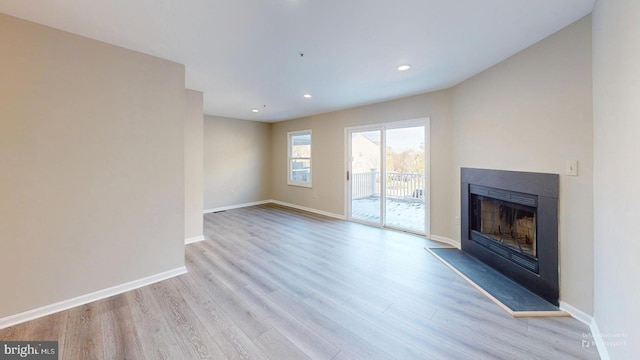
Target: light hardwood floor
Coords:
[(275, 283)]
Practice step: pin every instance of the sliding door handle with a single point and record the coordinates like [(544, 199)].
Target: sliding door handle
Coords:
[(347, 175)]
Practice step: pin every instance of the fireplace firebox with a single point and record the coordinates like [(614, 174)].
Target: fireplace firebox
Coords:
[(505, 222), (509, 221)]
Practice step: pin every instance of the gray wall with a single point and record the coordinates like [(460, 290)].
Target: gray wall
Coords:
[(616, 110), (91, 165), (236, 162), (193, 165), (532, 112)]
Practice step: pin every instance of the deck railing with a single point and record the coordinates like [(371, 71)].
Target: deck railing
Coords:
[(301, 175), (399, 185)]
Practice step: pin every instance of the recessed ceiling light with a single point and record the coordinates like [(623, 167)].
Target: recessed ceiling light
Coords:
[(404, 67), (255, 110), (308, 96)]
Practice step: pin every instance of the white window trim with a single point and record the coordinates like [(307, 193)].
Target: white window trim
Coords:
[(289, 158)]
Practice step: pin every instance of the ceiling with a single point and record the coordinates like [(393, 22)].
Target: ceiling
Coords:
[(247, 54)]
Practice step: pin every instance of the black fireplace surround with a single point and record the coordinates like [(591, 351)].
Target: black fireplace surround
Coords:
[(521, 238)]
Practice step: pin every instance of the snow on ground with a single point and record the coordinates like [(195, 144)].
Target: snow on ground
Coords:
[(405, 214)]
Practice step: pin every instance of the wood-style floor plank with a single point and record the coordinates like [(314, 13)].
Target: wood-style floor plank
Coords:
[(295, 328), (119, 340), (348, 343), (271, 282), (154, 333), (278, 346), (83, 326)]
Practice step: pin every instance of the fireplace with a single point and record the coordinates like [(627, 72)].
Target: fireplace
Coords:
[(509, 221), (504, 222)]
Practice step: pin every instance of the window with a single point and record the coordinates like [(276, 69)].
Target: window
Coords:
[(299, 154)]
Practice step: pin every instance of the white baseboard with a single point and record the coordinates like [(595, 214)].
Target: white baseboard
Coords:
[(445, 240), (194, 240), (87, 298), (319, 212), (237, 206), (576, 313), (596, 337)]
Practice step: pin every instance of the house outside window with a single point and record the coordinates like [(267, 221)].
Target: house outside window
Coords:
[(299, 153)]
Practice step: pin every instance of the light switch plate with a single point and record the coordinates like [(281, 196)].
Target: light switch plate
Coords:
[(572, 168)]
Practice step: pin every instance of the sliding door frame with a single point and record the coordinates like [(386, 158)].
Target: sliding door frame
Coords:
[(348, 173), (382, 127)]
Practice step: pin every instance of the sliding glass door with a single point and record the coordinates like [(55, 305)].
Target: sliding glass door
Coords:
[(405, 178), (387, 183), (364, 176)]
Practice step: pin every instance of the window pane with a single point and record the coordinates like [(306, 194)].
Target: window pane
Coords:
[(301, 145), (299, 158), (300, 170)]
